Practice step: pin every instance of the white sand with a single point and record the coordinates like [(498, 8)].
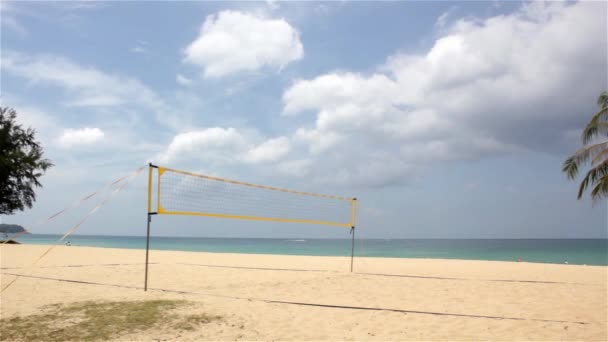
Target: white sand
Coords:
[(579, 294)]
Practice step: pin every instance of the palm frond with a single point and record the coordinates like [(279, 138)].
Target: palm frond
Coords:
[(570, 167), (599, 158), (600, 190), (597, 152), (581, 156), (602, 100), (593, 176), (595, 126)]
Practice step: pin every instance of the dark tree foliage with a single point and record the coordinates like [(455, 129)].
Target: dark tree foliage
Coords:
[(21, 164)]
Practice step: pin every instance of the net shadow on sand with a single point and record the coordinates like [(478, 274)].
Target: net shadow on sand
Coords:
[(312, 270), (331, 306), (384, 274)]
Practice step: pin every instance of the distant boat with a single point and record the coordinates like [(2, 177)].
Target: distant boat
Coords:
[(297, 240)]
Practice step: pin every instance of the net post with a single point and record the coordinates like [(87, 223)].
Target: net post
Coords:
[(149, 220), (352, 250), (353, 219), (147, 251)]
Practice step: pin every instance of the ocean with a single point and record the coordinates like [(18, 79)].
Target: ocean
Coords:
[(558, 251)]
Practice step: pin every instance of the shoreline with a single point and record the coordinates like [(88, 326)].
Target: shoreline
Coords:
[(268, 256), (316, 256), (306, 238), (152, 248)]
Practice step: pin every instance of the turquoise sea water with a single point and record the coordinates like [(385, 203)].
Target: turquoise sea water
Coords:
[(572, 251)]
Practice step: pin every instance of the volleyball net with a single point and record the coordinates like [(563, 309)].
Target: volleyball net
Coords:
[(186, 193), (178, 192)]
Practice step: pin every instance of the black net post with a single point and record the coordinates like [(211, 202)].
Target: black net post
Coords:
[(149, 220), (147, 251), (352, 249)]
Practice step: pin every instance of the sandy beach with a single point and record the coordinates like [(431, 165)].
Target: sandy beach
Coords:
[(262, 297)]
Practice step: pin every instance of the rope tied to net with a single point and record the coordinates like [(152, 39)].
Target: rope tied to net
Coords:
[(100, 204), (74, 205)]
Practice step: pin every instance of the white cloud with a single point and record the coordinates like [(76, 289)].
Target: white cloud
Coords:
[(232, 41), (317, 139), (273, 4), (332, 90), (79, 5), (8, 12), (484, 88), (268, 151), (183, 80), (125, 98), (80, 136), (296, 168), (210, 143), (138, 49), (97, 101), (224, 146), (443, 19), (86, 85)]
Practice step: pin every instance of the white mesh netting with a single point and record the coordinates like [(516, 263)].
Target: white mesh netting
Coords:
[(186, 193)]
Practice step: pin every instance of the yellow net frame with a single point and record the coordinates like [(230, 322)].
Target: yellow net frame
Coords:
[(160, 210)]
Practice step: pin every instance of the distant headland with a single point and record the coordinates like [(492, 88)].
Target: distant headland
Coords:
[(6, 229)]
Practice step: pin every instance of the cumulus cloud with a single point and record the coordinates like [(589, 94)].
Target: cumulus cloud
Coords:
[(224, 146), (232, 41), (73, 137), (268, 151), (484, 88), (215, 143)]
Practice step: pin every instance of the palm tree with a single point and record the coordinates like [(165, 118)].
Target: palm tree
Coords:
[(595, 150)]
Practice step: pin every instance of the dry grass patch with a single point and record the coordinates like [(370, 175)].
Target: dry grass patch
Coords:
[(191, 322), (91, 321)]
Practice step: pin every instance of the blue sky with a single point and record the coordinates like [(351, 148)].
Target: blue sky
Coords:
[(445, 119)]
